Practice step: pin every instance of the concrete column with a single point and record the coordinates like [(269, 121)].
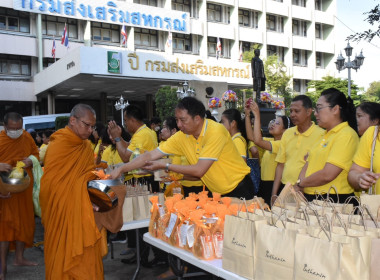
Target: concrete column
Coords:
[(39, 43), (87, 34), (103, 108), (149, 106), (203, 52), (51, 103)]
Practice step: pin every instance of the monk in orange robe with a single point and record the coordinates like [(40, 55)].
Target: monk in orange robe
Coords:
[(72, 244), (16, 209)]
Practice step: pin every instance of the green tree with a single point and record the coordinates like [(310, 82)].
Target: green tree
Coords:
[(248, 55), (315, 88), (374, 19), (373, 92), (166, 101)]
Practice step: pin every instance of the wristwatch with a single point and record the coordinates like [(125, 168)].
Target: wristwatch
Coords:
[(167, 167), (299, 183), (117, 139)]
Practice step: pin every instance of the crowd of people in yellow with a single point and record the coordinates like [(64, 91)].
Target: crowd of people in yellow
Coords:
[(311, 156)]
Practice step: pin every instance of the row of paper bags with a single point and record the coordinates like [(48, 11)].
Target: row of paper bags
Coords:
[(138, 207), (256, 248)]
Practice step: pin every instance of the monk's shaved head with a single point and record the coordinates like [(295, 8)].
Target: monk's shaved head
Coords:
[(12, 116), (80, 110)]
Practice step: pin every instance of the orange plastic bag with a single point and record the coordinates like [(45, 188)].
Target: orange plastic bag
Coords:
[(155, 215)]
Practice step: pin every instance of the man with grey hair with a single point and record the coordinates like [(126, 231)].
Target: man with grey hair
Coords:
[(72, 239), (16, 209)]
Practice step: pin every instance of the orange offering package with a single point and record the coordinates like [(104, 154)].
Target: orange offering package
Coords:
[(203, 247), (101, 175), (155, 215)]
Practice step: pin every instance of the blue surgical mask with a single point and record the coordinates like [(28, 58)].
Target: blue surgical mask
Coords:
[(14, 134)]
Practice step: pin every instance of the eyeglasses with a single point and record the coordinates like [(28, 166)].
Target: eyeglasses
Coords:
[(317, 109), (272, 122), (87, 125)]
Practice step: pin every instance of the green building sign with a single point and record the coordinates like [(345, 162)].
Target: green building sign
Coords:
[(114, 62)]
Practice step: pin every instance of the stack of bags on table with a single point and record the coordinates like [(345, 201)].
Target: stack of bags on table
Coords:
[(136, 204), (196, 223), (304, 240)]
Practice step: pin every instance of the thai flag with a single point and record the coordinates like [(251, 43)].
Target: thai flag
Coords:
[(65, 37), (241, 52), (124, 35), (218, 48), (169, 40), (53, 49)]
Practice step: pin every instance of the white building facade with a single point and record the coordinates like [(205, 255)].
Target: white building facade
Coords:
[(300, 32)]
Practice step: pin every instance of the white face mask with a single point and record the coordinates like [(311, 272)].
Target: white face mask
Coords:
[(14, 134), (157, 128)]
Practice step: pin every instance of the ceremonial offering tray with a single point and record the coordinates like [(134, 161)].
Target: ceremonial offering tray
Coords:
[(101, 193), (13, 185)]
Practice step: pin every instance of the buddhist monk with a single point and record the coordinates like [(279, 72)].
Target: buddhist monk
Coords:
[(72, 240), (16, 209)]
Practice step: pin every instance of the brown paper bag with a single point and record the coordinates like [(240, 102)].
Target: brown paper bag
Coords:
[(274, 253), (127, 210), (239, 244), (141, 209), (316, 258)]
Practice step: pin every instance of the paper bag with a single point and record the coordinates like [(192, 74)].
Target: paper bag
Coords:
[(141, 207), (127, 210), (239, 244), (315, 258), (274, 253)]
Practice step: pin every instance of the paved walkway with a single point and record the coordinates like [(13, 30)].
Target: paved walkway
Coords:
[(114, 269)]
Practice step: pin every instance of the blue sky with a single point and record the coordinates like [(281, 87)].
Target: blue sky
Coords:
[(350, 12)]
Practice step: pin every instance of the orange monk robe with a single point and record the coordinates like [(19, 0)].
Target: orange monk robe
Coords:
[(72, 244), (17, 212)]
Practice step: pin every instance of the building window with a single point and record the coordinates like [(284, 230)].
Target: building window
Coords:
[(275, 50), (146, 38), (248, 18), (181, 5), (318, 5), (278, 1), (146, 2), (182, 42), (275, 23), (54, 26), (318, 59), (296, 57), (47, 61), (318, 31), (299, 28), (301, 3), (211, 46), (14, 65), (297, 85), (105, 32), (214, 12), (14, 21)]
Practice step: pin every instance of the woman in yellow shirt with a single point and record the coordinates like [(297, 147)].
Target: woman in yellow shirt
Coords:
[(271, 145), (330, 160), (367, 114), (231, 119)]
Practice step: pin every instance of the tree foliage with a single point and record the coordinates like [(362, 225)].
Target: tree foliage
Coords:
[(374, 19), (247, 56), (373, 92), (315, 88), (166, 101), (276, 74)]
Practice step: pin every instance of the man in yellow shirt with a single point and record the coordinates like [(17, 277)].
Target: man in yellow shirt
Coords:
[(296, 142), (208, 148)]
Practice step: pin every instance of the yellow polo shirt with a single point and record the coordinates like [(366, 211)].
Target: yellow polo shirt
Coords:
[(268, 162), (240, 144), (363, 154), (336, 147), (181, 160), (293, 148), (143, 139), (214, 143)]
